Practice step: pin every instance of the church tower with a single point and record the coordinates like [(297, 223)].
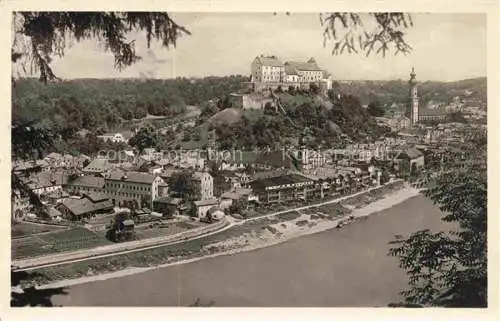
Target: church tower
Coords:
[(413, 98)]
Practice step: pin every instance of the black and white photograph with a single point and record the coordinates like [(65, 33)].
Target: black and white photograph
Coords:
[(248, 159)]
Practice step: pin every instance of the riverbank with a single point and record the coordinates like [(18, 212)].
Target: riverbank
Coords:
[(347, 267), (265, 232)]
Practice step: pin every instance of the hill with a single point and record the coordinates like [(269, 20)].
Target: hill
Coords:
[(396, 91), (228, 116), (308, 119), (105, 103)]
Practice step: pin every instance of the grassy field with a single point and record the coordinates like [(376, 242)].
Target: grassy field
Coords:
[(26, 229), (69, 240)]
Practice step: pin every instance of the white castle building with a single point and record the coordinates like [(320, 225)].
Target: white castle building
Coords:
[(270, 72)]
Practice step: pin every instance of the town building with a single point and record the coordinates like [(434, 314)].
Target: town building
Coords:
[(99, 166), (283, 188), (203, 206), (411, 156), (204, 184), (114, 138), (417, 114), (144, 188), (80, 184), (169, 206), (235, 196), (46, 182), (86, 207)]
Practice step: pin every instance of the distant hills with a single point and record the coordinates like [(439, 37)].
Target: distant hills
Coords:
[(396, 91)]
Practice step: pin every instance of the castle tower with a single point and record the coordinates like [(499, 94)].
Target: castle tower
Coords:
[(413, 98)]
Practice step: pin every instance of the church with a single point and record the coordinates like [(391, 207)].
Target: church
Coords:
[(414, 112)]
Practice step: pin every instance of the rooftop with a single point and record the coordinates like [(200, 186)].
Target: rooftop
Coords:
[(132, 176), (84, 205), (303, 66), (206, 202), (270, 61), (98, 165), (280, 181), (87, 181)]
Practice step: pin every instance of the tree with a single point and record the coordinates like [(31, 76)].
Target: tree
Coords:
[(269, 109), (313, 89), (182, 183), (145, 138), (38, 36), (450, 268), (387, 34), (117, 231), (375, 109)]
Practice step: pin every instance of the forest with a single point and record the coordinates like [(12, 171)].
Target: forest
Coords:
[(309, 120), (396, 91), (102, 104)]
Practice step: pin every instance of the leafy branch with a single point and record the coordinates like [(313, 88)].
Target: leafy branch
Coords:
[(45, 34), (389, 31)]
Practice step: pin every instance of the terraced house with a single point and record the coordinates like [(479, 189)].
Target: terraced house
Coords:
[(144, 188), (283, 188)]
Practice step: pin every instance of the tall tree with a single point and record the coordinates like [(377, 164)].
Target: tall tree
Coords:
[(375, 109), (145, 138), (449, 268)]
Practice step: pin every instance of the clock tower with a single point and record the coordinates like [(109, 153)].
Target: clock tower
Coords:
[(413, 98)]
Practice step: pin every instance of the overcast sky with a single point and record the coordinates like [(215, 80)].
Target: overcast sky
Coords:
[(446, 47)]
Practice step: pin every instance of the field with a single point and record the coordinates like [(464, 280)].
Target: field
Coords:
[(69, 240), (26, 229)]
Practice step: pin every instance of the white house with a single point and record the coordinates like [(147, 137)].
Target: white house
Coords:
[(203, 206)]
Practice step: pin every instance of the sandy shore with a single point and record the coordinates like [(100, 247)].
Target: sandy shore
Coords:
[(285, 231)]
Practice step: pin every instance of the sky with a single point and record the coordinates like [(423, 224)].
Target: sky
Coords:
[(446, 47)]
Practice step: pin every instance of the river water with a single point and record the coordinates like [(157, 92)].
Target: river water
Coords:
[(336, 268)]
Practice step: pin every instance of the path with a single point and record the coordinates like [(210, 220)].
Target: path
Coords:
[(135, 246)]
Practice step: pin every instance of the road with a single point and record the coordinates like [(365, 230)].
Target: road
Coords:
[(135, 246), (336, 268)]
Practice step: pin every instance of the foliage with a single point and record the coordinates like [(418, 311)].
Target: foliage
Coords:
[(375, 109), (457, 117), (182, 184), (449, 268), (44, 34), (107, 103), (117, 232), (389, 31), (145, 138), (307, 119)]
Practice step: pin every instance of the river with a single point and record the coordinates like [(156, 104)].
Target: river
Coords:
[(336, 268)]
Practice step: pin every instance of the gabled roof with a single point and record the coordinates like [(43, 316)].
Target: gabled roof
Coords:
[(168, 200), (270, 61), (132, 176), (46, 179), (206, 202), (84, 205), (290, 70), (199, 175), (412, 153), (98, 165), (87, 181), (96, 197), (303, 66)]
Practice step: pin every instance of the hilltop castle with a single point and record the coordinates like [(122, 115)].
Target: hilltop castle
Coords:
[(269, 72)]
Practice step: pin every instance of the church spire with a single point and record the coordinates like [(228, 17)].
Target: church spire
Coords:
[(412, 74)]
